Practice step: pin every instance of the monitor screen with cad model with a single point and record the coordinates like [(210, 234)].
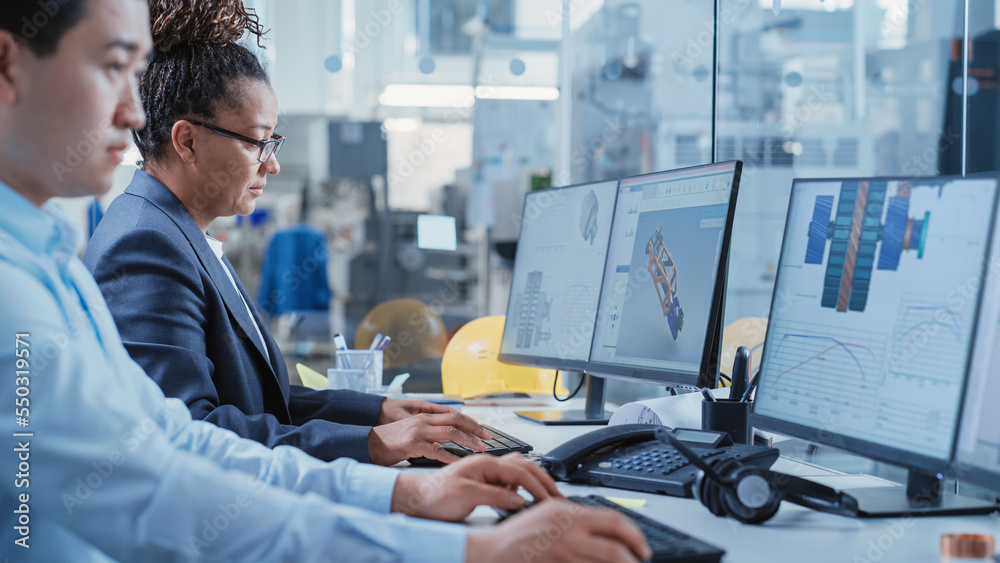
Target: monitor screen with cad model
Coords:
[(557, 275), (874, 306), (977, 458), (661, 299)]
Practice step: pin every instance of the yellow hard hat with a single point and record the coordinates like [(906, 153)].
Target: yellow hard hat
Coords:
[(470, 367), (749, 332), (417, 332)]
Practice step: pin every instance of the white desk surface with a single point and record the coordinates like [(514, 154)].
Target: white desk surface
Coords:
[(794, 534)]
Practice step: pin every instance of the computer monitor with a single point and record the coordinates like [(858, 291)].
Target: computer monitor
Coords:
[(871, 324), (662, 297), (977, 453), (556, 282)]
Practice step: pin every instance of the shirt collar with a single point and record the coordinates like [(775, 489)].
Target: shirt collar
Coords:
[(216, 246), (46, 231)]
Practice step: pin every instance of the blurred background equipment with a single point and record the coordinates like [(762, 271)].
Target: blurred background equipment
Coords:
[(293, 274)]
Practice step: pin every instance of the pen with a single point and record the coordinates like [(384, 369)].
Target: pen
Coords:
[(381, 346), (339, 341), (341, 344), (753, 385), (375, 341), (707, 393)]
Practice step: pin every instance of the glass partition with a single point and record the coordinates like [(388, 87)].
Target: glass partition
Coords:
[(829, 88), (798, 88)]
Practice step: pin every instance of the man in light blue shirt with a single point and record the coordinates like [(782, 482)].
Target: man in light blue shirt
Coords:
[(96, 463)]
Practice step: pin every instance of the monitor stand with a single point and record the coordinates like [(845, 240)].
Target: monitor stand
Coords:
[(923, 497), (593, 412)]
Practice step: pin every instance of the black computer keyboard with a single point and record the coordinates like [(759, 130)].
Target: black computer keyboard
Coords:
[(501, 443), (668, 545)]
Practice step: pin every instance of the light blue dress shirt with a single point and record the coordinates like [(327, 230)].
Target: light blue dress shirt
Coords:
[(117, 471)]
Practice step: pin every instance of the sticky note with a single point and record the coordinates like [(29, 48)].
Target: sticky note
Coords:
[(628, 502)]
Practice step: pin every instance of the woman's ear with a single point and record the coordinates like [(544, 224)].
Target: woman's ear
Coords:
[(182, 139)]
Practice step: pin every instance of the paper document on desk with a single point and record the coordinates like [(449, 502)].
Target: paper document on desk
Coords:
[(679, 411)]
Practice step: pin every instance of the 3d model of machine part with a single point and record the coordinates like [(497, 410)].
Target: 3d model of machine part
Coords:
[(855, 231), (588, 217), (664, 271)]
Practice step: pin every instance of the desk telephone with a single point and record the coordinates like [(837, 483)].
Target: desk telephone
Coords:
[(629, 456)]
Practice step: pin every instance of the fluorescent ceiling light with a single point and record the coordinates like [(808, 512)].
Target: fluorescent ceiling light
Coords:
[(426, 95), (827, 6), (453, 95), (401, 124), (517, 92)]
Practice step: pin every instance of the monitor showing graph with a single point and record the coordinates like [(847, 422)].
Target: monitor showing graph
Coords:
[(874, 306), (977, 458), (664, 278), (557, 275)]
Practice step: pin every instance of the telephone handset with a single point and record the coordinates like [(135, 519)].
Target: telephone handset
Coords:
[(629, 456), (566, 458)]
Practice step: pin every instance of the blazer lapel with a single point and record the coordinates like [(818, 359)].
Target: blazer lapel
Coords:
[(152, 190), (274, 354), (253, 311)]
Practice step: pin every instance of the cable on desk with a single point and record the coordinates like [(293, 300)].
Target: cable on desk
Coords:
[(555, 383)]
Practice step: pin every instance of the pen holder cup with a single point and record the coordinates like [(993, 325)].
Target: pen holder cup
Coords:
[(360, 370), (730, 416)]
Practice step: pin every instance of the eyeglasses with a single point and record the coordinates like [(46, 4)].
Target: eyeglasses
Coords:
[(267, 148)]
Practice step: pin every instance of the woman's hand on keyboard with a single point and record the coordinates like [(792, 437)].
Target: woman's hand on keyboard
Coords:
[(560, 531), (393, 410), (421, 435), (451, 493)]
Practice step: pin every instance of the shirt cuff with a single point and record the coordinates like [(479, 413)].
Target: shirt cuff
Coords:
[(432, 542), (370, 487)]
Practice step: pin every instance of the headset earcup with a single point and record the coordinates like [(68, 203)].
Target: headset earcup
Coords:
[(722, 499), (713, 493), (765, 504), (709, 496)]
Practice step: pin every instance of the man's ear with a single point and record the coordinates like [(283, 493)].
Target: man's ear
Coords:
[(10, 50), (182, 139)]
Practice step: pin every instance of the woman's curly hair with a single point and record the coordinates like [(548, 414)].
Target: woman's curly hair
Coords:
[(196, 60)]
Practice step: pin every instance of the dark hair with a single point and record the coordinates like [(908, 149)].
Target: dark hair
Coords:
[(196, 59), (40, 24)]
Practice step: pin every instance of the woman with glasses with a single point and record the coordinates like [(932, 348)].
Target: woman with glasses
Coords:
[(208, 147)]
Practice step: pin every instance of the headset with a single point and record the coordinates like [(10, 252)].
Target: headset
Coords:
[(752, 495)]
